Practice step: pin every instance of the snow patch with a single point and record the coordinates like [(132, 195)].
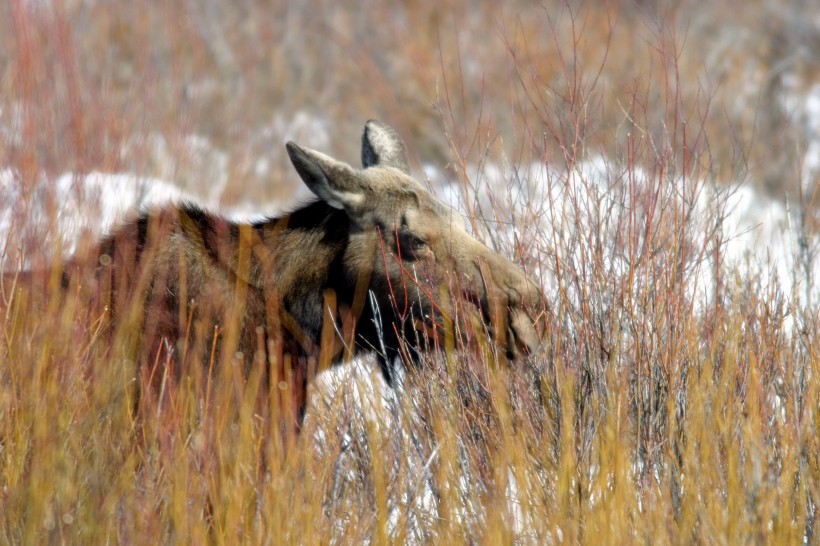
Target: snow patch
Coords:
[(548, 216), (70, 209), (59, 213)]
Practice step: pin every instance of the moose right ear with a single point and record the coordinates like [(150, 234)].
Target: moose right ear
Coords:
[(334, 182), (382, 145)]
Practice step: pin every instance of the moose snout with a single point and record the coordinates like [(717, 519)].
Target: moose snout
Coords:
[(525, 302), (511, 302)]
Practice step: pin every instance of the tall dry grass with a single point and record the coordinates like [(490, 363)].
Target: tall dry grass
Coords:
[(657, 413)]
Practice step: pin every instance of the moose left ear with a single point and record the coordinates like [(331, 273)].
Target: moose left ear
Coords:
[(382, 145), (334, 182)]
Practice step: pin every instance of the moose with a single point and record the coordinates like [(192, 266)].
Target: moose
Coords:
[(375, 264)]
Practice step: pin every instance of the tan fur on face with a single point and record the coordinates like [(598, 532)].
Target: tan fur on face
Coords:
[(398, 207)]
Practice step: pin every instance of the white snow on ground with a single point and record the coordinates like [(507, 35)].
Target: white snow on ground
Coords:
[(597, 204), (59, 213), (62, 212), (350, 407)]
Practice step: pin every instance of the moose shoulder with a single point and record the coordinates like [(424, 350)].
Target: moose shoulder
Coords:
[(374, 264)]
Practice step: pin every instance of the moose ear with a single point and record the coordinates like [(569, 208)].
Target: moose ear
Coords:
[(382, 145), (334, 182)]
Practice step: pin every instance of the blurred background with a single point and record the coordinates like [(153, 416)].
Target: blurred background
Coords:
[(654, 165), (205, 93)]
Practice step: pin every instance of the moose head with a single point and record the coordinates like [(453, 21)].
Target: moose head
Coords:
[(412, 252)]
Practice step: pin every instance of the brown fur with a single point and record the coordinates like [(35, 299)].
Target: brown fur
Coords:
[(297, 289)]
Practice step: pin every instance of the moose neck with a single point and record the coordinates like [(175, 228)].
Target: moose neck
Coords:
[(320, 278), (303, 247), (300, 263)]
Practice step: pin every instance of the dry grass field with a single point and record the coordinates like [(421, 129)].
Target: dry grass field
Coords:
[(599, 145)]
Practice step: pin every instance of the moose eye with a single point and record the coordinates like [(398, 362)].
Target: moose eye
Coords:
[(416, 242), (412, 245)]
